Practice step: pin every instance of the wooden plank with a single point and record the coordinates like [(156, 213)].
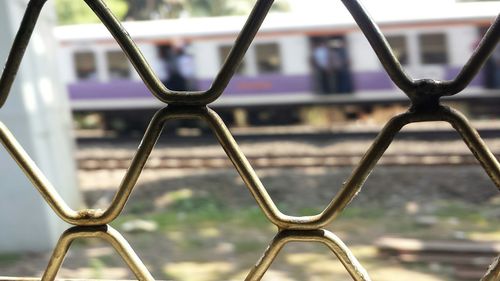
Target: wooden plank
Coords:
[(483, 261), (451, 246)]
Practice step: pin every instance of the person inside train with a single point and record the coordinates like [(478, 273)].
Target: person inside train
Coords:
[(186, 68), (331, 66), (179, 69), (174, 78), (339, 62), (322, 67)]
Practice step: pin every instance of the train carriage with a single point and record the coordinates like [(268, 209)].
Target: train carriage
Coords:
[(279, 68)]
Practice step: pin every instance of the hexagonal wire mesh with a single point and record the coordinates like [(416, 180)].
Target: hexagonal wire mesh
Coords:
[(425, 106)]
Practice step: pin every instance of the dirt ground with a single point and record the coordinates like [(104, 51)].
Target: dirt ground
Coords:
[(208, 227)]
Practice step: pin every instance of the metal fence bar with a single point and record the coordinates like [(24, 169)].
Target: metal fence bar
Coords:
[(425, 106), (380, 46), (110, 235), (476, 61), (351, 264)]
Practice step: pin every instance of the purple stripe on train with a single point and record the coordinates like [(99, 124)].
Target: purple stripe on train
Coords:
[(240, 85), (118, 89), (374, 80), (371, 80), (273, 84), (478, 81)]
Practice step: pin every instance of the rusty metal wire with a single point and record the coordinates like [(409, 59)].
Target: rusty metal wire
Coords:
[(425, 106)]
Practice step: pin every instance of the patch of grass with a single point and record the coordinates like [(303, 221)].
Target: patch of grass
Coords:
[(192, 242), (309, 211), (139, 207), (98, 267), (189, 204), (108, 259), (247, 246), (190, 213), (447, 209), (252, 216), (364, 213), (199, 210), (9, 258)]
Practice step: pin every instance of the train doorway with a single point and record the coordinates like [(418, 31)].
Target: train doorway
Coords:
[(492, 66), (330, 65)]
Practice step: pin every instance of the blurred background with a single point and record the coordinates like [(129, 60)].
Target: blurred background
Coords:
[(305, 104)]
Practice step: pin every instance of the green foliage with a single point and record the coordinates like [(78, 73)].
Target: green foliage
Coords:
[(218, 7), (141, 10), (97, 267), (77, 12), (9, 258)]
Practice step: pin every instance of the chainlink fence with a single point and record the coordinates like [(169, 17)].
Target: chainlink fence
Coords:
[(424, 95)]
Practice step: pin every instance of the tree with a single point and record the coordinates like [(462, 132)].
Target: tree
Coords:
[(74, 12), (153, 9)]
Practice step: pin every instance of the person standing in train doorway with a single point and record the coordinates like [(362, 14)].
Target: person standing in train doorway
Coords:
[(186, 67), (321, 65), (340, 67), (175, 80)]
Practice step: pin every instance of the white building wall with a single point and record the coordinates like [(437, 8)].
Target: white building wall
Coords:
[(37, 113)]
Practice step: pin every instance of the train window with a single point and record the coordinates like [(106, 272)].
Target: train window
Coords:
[(268, 58), (118, 65), (85, 65), (399, 47), (433, 48), (224, 52)]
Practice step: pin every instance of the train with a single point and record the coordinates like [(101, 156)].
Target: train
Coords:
[(294, 62)]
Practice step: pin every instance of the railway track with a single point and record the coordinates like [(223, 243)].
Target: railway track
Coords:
[(290, 148), (275, 161), (280, 134)]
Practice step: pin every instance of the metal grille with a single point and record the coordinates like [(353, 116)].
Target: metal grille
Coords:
[(425, 106)]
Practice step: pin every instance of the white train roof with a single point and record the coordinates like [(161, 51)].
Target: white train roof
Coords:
[(439, 12)]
